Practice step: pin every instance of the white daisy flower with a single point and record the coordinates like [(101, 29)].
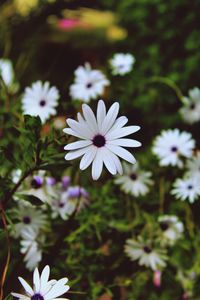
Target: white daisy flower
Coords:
[(134, 181), (121, 63), (88, 83), (171, 145), (43, 288), (30, 248), (145, 254), (28, 216), (40, 100), (171, 227), (190, 112), (193, 165), (6, 71), (101, 139), (187, 189)]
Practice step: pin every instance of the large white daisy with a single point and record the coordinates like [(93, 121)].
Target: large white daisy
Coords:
[(134, 181), (43, 288), (88, 83), (190, 112), (121, 63), (40, 100), (101, 139), (171, 145), (187, 189), (146, 254)]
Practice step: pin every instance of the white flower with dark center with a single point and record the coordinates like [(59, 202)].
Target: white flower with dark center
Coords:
[(88, 84), (121, 63), (31, 248), (101, 139), (40, 100), (28, 216), (190, 112), (187, 189), (6, 71), (171, 227), (134, 181), (193, 165), (43, 288), (145, 254), (172, 145)]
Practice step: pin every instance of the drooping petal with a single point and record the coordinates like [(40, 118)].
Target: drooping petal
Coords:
[(87, 158), (97, 165), (76, 153), (109, 162), (121, 152)]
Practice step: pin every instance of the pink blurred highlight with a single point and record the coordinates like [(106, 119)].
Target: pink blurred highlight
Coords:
[(157, 278), (67, 24)]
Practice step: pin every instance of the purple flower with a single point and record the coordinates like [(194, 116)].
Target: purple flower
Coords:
[(65, 182), (51, 181)]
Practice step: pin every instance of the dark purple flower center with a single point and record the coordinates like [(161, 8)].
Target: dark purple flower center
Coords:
[(133, 176), (164, 226), (190, 187), (36, 183), (42, 102), (37, 297), (26, 220), (192, 106), (99, 140), (61, 204), (147, 249), (174, 149), (89, 85)]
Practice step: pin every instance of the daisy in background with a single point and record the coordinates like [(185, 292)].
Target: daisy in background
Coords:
[(88, 84), (27, 216), (187, 189), (134, 181), (190, 112), (43, 288), (172, 145), (172, 229), (193, 165), (40, 100), (121, 63), (6, 71), (31, 247), (102, 139), (145, 254)]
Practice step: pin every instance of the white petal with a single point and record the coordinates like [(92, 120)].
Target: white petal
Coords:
[(125, 143), (36, 280), (26, 286), (74, 133), (44, 278), (78, 128), (109, 162), (20, 296), (89, 117), (76, 153), (117, 133), (121, 152), (87, 158), (101, 113), (58, 289), (78, 145), (97, 165), (110, 118)]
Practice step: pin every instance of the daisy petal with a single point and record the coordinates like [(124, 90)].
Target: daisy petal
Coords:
[(121, 152), (110, 118), (89, 117), (109, 162), (97, 165), (44, 278), (117, 133), (77, 145), (87, 158), (20, 296), (36, 280), (74, 133), (125, 143), (26, 286), (76, 153), (101, 112)]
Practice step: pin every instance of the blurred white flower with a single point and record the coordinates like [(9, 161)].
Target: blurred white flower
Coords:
[(101, 139), (16, 175), (171, 227), (30, 248), (43, 288), (171, 145), (88, 83), (134, 181), (187, 189), (121, 63), (193, 165), (28, 217), (6, 71), (40, 100), (190, 112), (145, 254)]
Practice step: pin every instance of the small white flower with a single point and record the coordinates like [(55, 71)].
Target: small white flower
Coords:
[(40, 100), (187, 189), (121, 63), (190, 112), (6, 71), (171, 227), (28, 216), (134, 181), (193, 165), (16, 175), (88, 83), (101, 139), (30, 248), (172, 145), (43, 288), (145, 253)]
